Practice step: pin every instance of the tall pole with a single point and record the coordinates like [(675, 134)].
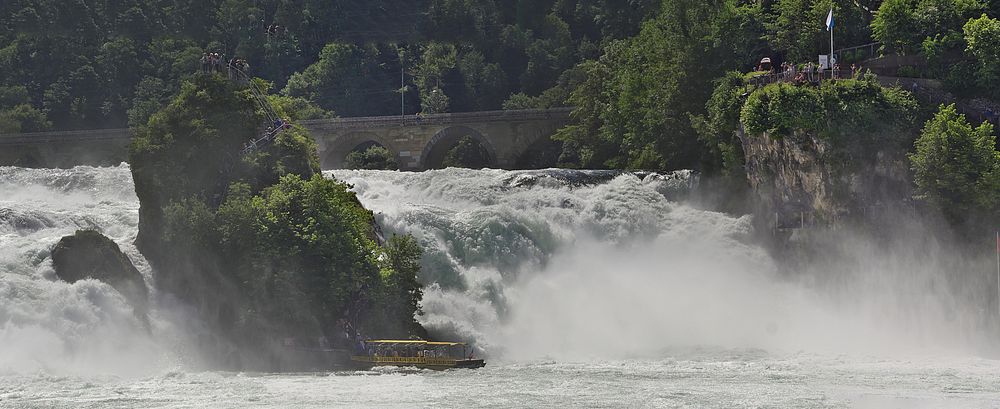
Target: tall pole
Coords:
[(831, 46), (402, 87), (998, 272)]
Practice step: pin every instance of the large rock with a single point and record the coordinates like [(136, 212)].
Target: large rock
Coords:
[(90, 254), (801, 179)]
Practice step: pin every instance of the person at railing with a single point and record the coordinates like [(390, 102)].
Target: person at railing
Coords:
[(230, 68), (216, 61), (245, 68)]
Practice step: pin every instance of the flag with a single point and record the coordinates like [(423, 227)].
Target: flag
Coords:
[(829, 20)]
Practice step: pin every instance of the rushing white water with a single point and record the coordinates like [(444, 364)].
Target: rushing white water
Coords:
[(583, 288), (50, 325), (572, 264)]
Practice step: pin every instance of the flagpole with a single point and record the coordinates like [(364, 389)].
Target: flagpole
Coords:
[(830, 24), (998, 272)]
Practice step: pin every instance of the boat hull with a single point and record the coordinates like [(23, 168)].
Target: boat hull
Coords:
[(423, 363)]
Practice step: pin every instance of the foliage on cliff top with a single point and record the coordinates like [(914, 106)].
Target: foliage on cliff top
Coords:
[(304, 253), (856, 113), (957, 167), (192, 147)]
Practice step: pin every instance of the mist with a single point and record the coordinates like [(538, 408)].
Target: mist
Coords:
[(616, 270)]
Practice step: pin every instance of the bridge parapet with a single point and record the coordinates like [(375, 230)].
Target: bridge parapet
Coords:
[(65, 136), (413, 138), (369, 122)]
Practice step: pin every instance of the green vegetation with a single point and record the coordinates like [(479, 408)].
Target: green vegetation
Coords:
[(957, 167), (375, 157), (908, 26), (983, 38), (956, 37), (98, 64), (467, 153), (261, 245), (634, 103), (654, 83), (853, 111)]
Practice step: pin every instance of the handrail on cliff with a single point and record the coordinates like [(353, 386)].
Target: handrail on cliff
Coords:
[(274, 120), (275, 124)]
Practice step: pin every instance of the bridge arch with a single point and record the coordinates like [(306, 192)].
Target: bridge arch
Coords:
[(335, 155), (433, 154)]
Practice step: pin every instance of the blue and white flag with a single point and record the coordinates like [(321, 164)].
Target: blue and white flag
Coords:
[(829, 21)]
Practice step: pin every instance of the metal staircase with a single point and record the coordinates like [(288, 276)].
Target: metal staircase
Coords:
[(275, 125)]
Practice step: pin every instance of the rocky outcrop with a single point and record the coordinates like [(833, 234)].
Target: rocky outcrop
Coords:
[(91, 255), (801, 179)]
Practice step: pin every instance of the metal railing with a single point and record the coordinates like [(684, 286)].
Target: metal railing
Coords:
[(858, 53), (406, 360), (803, 77)]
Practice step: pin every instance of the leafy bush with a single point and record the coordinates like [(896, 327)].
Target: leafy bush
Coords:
[(717, 129), (903, 25), (957, 167), (780, 108), (908, 71), (467, 153), (836, 109), (983, 36), (375, 157)]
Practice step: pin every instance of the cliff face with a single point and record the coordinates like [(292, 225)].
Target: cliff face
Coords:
[(803, 179), (819, 154)]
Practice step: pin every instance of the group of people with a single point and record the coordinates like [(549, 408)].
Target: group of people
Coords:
[(211, 62), (239, 69), (810, 73), (236, 68)]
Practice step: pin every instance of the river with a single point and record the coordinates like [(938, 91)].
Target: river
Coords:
[(581, 289)]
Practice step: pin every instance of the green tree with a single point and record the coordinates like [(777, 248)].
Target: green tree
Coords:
[(375, 157), (798, 27), (983, 38), (400, 268), (634, 107), (717, 128), (956, 166), (434, 102), (467, 153), (350, 80), (904, 25), (23, 118)]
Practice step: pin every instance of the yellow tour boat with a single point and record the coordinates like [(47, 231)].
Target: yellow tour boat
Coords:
[(417, 353)]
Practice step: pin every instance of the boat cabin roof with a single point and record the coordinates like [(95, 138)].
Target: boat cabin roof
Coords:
[(413, 342)]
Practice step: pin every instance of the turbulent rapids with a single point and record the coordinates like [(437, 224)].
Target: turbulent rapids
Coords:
[(583, 277)]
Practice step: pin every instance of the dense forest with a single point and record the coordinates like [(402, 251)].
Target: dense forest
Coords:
[(642, 74)]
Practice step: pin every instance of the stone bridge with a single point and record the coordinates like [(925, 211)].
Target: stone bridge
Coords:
[(419, 141)]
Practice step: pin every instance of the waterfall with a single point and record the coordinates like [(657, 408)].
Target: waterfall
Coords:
[(525, 264)]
